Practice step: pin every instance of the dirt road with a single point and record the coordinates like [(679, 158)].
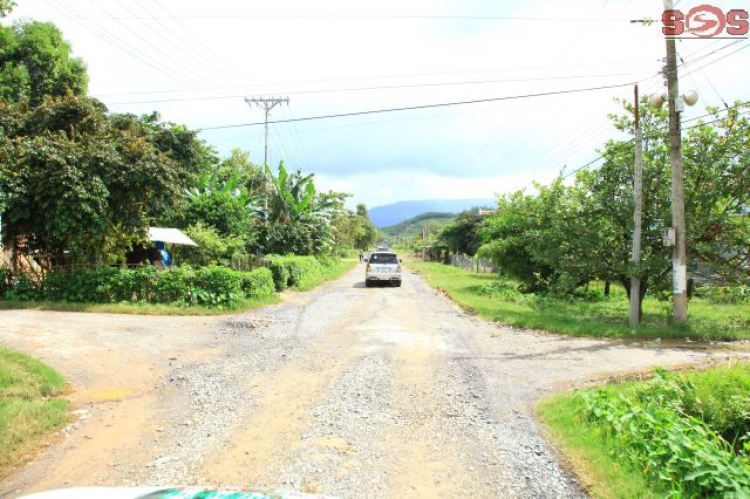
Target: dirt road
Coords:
[(350, 391)]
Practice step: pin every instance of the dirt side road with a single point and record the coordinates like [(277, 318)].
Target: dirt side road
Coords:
[(351, 391)]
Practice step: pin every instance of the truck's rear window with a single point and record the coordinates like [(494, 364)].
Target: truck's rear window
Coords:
[(383, 258)]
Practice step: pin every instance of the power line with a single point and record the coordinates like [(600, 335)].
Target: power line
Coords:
[(395, 76), (384, 87), (120, 44), (423, 106), (661, 129), (155, 48), (346, 17)]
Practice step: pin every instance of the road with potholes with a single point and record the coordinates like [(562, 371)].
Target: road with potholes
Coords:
[(344, 390)]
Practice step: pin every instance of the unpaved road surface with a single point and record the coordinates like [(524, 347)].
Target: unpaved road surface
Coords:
[(350, 391)]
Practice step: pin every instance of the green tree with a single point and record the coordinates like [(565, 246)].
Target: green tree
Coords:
[(462, 235), (292, 195), (225, 205), (6, 6), (35, 61), (76, 182)]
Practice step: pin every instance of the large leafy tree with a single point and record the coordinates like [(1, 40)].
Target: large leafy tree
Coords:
[(6, 6), (225, 205), (36, 61), (462, 235), (564, 236), (78, 183)]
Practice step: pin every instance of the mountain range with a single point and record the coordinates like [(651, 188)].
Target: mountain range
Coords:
[(391, 214)]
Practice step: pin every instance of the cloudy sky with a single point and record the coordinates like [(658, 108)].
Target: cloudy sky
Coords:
[(195, 61)]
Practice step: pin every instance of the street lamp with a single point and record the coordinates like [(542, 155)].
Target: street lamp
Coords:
[(657, 100), (679, 254)]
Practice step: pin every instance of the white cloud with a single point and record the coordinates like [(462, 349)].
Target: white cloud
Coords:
[(463, 151)]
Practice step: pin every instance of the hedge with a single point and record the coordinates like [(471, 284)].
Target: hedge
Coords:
[(208, 286), (298, 271)]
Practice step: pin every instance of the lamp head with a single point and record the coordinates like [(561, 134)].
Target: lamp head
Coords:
[(656, 100), (690, 97)]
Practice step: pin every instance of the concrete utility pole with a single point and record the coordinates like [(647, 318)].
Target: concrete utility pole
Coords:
[(635, 278), (679, 256), (267, 103)]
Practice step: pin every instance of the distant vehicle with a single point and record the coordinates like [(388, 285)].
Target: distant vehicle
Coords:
[(382, 248), (383, 266)]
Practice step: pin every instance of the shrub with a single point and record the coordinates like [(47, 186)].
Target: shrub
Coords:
[(299, 271), (653, 432), (5, 284), (23, 289), (724, 294), (217, 286), (174, 285), (258, 283), (279, 271), (304, 271)]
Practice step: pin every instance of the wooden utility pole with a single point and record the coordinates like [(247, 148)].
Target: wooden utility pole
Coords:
[(679, 256), (635, 278)]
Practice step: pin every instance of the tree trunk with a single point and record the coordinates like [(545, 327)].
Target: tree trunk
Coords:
[(606, 288), (625, 281)]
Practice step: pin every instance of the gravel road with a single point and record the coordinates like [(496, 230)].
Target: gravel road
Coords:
[(345, 390)]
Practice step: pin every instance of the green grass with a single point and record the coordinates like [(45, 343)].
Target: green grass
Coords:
[(136, 308), (606, 318), (597, 460), (30, 407), (588, 455), (332, 272)]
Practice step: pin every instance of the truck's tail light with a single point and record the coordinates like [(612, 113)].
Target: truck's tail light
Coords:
[(398, 268), (368, 268)]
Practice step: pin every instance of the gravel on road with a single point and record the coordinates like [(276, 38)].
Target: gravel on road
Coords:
[(344, 390)]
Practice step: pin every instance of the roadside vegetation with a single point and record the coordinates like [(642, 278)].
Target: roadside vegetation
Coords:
[(553, 241), (716, 313), (80, 186), (409, 232), (31, 407), (676, 435), (182, 290)]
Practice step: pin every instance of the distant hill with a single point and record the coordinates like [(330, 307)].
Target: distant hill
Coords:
[(411, 229), (392, 214)]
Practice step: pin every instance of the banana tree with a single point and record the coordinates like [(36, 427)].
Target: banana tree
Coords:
[(293, 195)]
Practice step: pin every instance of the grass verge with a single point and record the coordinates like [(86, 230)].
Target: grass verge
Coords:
[(604, 318), (589, 457), (30, 407), (331, 273), (136, 308), (597, 445)]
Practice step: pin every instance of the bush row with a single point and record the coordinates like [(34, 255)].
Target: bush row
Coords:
[(299, 271), (656, 429), (208, 286)]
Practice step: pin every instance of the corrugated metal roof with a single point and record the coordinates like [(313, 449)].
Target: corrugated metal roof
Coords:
[(169, 236)]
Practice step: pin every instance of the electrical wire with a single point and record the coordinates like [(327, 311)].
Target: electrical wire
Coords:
[(376, 77), (347, 17), (423, 106), (118, 43), (661, 129), (188, 75), (385, 87)]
